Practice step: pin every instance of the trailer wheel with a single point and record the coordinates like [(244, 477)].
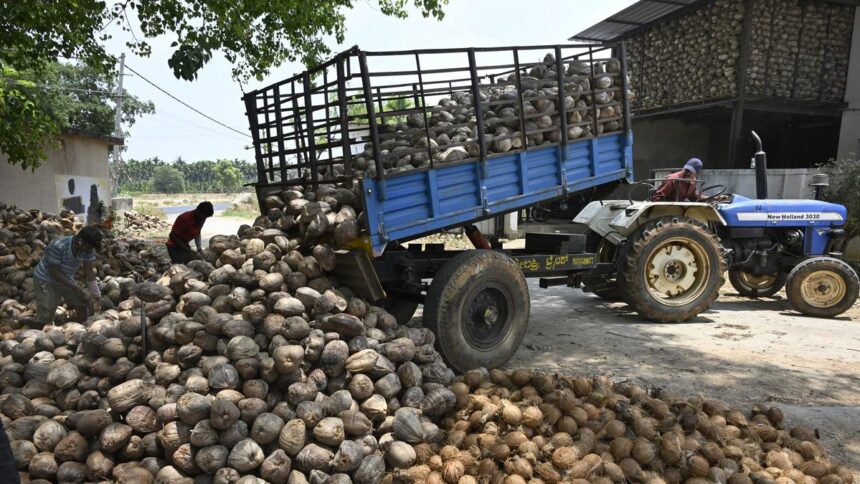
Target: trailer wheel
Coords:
[(478, 308), (823, 287), (672, 269), (750, 285), (401, 309)]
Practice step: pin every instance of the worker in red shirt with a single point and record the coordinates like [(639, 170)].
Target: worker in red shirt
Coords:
[(672, 190), (187, 227)]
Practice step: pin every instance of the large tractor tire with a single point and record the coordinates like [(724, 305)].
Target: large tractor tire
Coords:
[(672, 269), (822, 287), (478, 308), (750, 285)]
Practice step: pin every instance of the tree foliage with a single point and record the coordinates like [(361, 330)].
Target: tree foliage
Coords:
[(844, 181), (228, 176), (254, 35), (37, 103), (24, 116), (166, 179), (136, 176)]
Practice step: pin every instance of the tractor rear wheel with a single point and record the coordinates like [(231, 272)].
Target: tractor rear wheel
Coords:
[(750, 285), (672, 269), (478, 308), (822, 287)]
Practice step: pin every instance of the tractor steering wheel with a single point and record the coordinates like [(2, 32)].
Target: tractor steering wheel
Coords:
[(720, 189)]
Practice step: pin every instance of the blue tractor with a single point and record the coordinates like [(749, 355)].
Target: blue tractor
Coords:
[(665, 251)]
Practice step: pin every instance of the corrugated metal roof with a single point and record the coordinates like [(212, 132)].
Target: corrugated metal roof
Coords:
[(631, 18)]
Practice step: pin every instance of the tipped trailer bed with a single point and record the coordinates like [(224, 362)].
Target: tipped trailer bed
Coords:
[(352, 121)]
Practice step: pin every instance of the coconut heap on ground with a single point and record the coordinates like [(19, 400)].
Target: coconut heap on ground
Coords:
[(130, 222), (24, 235), (259, 367)]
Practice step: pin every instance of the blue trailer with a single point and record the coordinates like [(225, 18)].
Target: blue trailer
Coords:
[(435, 139)]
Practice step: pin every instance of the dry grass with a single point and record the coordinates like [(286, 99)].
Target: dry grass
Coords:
[(244, 206)]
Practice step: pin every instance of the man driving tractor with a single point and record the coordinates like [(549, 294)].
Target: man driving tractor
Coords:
[(681, 185)]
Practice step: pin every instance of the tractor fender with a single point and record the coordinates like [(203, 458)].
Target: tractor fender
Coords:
[(626, 221), (598, 215)]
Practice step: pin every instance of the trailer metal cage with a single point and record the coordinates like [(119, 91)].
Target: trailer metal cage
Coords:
[(311, 127)]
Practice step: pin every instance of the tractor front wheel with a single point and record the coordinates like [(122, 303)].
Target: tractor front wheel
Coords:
[(671, 269), (750, 285), (822, 287)]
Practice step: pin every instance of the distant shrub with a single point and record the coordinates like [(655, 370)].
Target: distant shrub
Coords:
[(845, 189)]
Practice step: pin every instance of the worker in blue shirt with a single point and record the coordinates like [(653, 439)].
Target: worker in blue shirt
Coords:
[(54, 277)]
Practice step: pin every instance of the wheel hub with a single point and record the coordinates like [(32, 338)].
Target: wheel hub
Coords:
[(676, 271), (672, 270), (752, 281), (488, 316), (491, 315), (823, 289)]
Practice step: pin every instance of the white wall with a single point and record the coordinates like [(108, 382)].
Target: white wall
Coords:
[(81, 160), (849, 135)]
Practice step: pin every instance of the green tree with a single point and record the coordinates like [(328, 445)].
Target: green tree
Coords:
[(844, 180), (24, 117), (35, 104), (227, 176), (166, 179), (254, 35)]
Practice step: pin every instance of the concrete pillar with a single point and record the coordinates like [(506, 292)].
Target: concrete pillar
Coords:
[(849, 135)]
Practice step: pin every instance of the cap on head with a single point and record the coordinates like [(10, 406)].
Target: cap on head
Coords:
[(205, 209), (92, 236), (693, 165)]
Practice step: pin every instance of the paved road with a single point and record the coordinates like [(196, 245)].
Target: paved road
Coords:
[(172, 212)]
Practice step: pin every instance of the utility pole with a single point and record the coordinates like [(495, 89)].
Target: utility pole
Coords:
[(119, 97), (117, 126)]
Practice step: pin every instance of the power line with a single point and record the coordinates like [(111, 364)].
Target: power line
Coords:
[(210, 118)]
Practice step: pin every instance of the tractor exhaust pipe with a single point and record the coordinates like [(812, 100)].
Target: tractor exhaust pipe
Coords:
[(760, 162)]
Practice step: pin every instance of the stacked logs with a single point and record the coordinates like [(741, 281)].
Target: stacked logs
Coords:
[(452, 124), (257, 367), (517, 427), (689, 58), (800, 50)]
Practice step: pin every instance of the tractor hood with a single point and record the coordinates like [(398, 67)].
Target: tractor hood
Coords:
[(745, 212)]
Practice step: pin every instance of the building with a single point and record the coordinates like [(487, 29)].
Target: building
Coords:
[(75, 176), (707, 72)]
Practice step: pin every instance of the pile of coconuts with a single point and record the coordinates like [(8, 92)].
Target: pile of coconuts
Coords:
[(448, 131), (257, 367), (521, 426), (24, 235)]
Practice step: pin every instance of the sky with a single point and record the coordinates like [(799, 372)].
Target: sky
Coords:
[(176, 131)]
